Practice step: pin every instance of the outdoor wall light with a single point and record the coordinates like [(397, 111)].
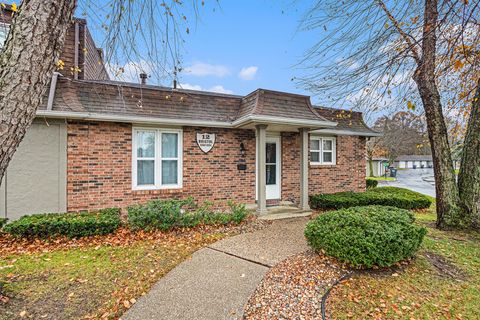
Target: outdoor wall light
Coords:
[(242, 150)]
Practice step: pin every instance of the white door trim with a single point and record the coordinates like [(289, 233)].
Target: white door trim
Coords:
[(277, 194)]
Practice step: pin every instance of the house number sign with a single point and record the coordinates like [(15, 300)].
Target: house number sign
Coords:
[(206, 141)]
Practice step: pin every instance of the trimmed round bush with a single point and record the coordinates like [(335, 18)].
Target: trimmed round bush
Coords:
[(366, 236), (383, 196)]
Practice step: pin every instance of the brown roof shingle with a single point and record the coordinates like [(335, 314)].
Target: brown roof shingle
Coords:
[(101, 97)]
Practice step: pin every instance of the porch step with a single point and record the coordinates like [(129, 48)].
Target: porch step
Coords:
[(284, 212)]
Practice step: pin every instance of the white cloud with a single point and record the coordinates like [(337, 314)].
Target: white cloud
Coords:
[(201, 69), (189, 86), (130, 71), (248, 73), (218, 88)]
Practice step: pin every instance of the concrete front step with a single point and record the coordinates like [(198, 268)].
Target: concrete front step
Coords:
[(297, 213)]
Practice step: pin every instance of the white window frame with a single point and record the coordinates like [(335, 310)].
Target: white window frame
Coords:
[(321, 151), (157, 159)]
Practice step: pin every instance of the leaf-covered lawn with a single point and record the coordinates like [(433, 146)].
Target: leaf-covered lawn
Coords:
[(442, 282), (97, 277)]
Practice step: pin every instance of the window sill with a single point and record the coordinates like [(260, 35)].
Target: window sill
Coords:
[(153, 188), (319, 164)]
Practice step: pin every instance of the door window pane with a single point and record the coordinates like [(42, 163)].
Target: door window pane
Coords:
[(145, 144), (169, 172), (271, 171), (327, 145), (271, 153), (169, 145), (145, 172)]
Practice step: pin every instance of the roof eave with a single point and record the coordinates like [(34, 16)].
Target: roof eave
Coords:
[(130, 119), (281, 120), (341, 132)]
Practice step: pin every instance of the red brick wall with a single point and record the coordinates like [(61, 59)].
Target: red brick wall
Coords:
[(347, 175), (349, 172), (100, 168)]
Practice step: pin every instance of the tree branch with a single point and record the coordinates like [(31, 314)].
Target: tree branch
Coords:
[(404, 35)]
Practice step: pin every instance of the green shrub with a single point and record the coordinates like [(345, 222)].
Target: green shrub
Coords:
[(385, 196), (3, 221), (167, 214), (366, 236), (371, 183), (72, 225), (158, 214)]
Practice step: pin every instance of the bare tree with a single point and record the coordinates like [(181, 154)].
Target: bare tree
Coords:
[(403, 133), (370, 51), (36, 38)]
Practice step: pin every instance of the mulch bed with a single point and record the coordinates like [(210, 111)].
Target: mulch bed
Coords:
[(293, 289), (122, 237)]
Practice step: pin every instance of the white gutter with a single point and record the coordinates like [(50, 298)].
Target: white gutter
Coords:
[(196, 123), (130, 119), (281, 120), (51, 93), (346, 133)]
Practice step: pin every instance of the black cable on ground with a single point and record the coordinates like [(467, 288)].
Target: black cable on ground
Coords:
[(327, 293)]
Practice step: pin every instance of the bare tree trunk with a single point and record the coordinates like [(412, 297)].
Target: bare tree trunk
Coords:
[(448, 213), (469, 177), (370, 167), (27, 62)]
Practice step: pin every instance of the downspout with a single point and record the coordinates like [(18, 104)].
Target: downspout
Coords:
[(75, 59), (51, 93)]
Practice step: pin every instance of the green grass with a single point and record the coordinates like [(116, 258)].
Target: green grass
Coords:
[(382, 178), (89, 281), (442, 282)]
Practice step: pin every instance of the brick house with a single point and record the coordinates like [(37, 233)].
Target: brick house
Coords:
[(99, 143)]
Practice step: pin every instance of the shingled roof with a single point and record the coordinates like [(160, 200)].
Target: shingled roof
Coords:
[(120, 101), (347, 121)]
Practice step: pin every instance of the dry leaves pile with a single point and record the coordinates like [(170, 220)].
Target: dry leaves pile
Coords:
[(293, 289)]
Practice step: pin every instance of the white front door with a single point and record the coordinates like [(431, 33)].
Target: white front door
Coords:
[(273, 164)]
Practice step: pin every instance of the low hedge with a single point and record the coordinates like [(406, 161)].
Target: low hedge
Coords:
[(386, 196), (366, 236), (168, 214), (72, 225), (371, 183), (3, 221)]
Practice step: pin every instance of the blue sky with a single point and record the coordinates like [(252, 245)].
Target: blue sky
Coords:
[(239, 46), (259, 37)]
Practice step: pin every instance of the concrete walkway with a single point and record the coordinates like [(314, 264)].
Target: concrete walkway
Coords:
[(218, 280)]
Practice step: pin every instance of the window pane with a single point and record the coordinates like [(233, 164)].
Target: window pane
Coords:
[(271, 174), (169, 172), (169, 145), (327, 157), (315, 156), (314, 145), (327, 145), (145, 172), (145, 144), (271, 156)]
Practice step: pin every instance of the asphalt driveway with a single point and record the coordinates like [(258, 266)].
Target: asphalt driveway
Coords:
[(419, 180)]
